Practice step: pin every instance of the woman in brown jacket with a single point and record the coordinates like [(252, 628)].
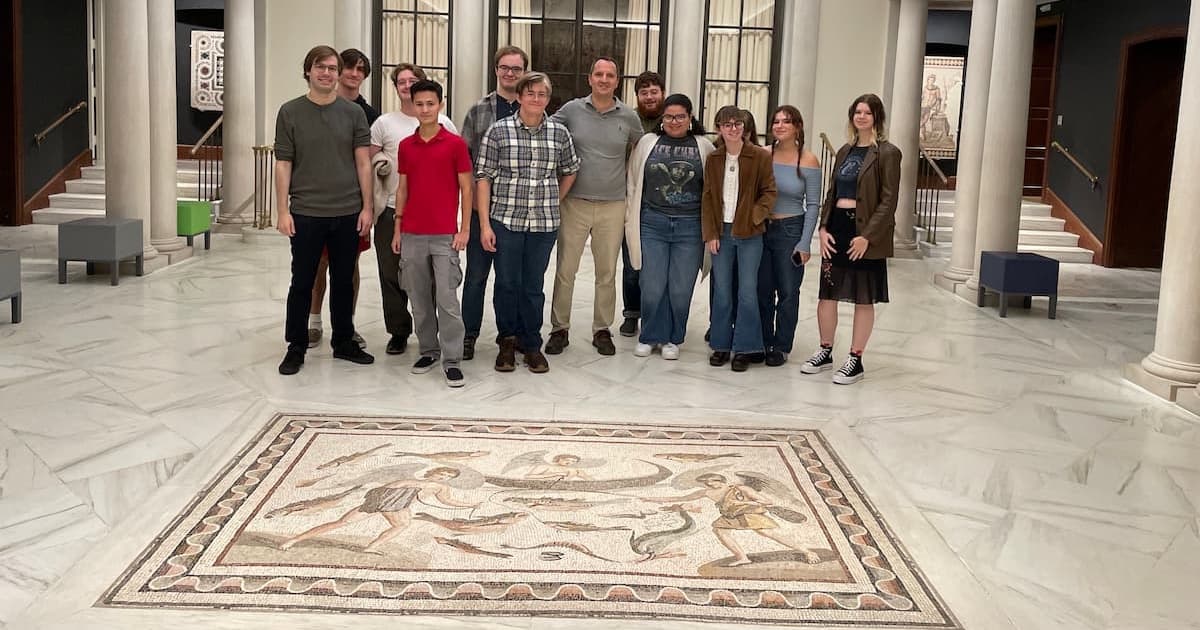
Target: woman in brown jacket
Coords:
[(739, 192), (856, 225)]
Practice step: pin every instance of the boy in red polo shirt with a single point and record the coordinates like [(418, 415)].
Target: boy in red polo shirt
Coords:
[(435, 185)]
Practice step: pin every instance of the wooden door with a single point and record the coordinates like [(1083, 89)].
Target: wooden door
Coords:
[(1041, 106), (1144, 150)]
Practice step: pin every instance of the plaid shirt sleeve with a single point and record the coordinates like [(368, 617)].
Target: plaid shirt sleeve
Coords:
[(487, 163), (476, 124), (568, 161)]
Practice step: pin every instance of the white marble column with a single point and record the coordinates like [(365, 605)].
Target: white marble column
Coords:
[(348, 25), (127, 156), (1007, 120), (472, 61), (163, 133), (970, 146), (237, 156), (684, 73), (905, 117), (1174, 366), (802, 33)]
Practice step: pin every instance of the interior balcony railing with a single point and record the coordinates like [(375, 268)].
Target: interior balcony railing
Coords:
[(1095, 181), (264, 186), (828, 155), (207, 154), (931, 181)]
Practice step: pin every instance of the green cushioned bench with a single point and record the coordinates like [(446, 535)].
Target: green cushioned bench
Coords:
[(194, 218)]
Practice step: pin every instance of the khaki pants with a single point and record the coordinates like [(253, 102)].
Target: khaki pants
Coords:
[(604, 221)]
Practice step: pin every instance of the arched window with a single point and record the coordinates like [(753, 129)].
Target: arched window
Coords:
[(564, 37), (741, 59), (414, 31)]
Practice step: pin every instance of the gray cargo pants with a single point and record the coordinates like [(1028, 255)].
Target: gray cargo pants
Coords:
[(430, 273)]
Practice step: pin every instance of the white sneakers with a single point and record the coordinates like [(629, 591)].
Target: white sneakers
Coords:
[(670, 351)]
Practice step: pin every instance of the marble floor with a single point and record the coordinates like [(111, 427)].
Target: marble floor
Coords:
[(1035, 487)]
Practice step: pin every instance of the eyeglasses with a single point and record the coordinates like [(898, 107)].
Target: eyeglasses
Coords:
[(324, 68), (411, 81), (510, 69), (541, 96), (675, 118), (732, 124)]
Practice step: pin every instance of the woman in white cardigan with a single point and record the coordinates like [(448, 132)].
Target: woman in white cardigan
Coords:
[(662, 223)]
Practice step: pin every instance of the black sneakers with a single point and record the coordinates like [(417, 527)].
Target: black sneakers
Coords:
[(291, 362), (454, 377), (851, 371), (629, 327), (775, 358), (468, 348), (741, 362), (820, 361), (424, 364), (351, 352), (397, 345)]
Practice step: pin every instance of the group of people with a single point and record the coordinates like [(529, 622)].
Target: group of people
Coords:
[(643, 184)]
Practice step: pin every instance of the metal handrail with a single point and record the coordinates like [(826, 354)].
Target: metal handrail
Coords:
[(827, 158), (1079, 165), (40, 137), (933, 165), (827, 144), (211, 130)]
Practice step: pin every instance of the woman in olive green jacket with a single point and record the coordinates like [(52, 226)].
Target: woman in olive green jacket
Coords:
[(856, 225)]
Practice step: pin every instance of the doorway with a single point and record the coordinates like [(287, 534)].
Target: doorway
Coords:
[(1041, 105), (11, 198), (1144, 151)]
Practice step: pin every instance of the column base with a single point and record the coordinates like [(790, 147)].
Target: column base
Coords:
[(949, 282), (168, 245), (1162, 387)]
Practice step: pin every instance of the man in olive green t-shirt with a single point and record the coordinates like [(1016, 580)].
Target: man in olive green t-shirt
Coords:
[(323, 184)]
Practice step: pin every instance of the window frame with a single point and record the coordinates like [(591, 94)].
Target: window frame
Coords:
[(772, 82), (380, 66), (579, 22)]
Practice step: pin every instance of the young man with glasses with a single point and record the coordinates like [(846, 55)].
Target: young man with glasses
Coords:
[(356, 67), (526, 165), (323, 184), (386, 134), (603, 130), (510, 63)]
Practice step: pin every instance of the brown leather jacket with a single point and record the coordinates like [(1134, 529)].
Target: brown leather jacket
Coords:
[(756, 193), (878, 183)]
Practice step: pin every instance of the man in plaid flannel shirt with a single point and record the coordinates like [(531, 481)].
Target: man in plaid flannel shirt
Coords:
[(526, 165)]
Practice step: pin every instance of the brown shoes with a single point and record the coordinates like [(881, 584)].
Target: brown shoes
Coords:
[(536, 362), (603, 342), (506, 360), (557, 342)]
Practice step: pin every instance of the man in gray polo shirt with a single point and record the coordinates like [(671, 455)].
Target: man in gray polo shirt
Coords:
[(603, 130), (323, 183)]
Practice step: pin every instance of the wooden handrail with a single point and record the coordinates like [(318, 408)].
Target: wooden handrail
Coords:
[(40, 137), (828, 145), (211, 130), (936, 170), (1073, 160)]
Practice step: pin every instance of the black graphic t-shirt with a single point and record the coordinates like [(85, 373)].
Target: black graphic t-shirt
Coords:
[(846, 178), (674, 176)]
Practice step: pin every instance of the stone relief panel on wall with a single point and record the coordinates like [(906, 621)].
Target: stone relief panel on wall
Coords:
[(208, 70)]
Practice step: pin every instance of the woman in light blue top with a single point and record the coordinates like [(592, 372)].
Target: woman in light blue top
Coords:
[(789, 233)]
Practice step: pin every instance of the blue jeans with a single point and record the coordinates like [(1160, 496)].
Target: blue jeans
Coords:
[(672, 252), (747, 336), (479, 265), (631, 293), (521, 260), (779, 283)]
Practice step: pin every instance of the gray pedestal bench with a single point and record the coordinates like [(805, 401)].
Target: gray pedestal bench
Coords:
[(106, 240)]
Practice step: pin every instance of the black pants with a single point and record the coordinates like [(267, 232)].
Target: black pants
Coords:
[(396, 317), (313, 235)]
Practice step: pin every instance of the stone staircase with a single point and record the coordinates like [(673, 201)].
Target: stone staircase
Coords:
[(1039, 233), (85, 196)]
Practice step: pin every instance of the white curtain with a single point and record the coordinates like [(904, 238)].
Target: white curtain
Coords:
[(724, 63), (636, 54), (522, 27), (432, 37)]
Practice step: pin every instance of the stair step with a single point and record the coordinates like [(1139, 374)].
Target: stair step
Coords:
[(184, 190), (191, 175), (1061, 254), (54, 216), (1039, 237), (77, 200), (1028, 222)]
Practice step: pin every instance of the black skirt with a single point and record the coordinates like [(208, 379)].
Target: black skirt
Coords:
[(862, 281)]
